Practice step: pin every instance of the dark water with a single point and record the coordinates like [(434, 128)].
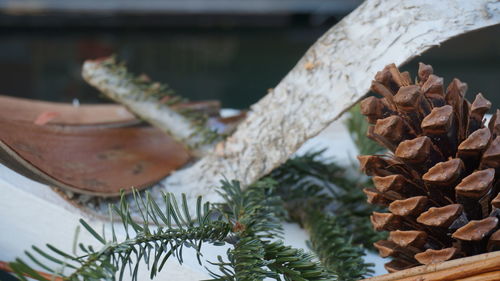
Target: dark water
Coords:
[(234, 65)]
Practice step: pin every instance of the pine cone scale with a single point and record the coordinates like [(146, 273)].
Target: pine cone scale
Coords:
[(441, 184)]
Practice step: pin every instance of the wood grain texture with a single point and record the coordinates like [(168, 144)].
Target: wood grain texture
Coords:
[(450, 270), (488, 276)]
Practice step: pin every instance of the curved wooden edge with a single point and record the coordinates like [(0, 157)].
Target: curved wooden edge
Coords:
[(469, 266), (21, 109), (459, 272), (11, 159)]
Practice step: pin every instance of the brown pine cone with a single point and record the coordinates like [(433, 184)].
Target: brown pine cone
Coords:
[(440, 183)]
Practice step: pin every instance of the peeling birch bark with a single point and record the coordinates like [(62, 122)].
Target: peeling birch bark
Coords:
[(332, 76), (120, 88)]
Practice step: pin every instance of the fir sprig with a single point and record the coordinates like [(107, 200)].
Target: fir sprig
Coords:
[(255, 215), (164, 96), (248, 221), (309, 180), (294, 264), (248, 260), (255, 211), (152, 245), (321, 197), (159, 91), (334, 247)]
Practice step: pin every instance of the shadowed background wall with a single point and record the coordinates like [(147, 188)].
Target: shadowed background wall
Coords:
[(230, 54)]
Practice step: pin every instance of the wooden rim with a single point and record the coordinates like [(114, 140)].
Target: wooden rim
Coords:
[(450, 270)]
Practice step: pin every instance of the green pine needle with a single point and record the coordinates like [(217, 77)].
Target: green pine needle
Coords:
[(333, 245), (249, 221), (316, 193), (164, 96)]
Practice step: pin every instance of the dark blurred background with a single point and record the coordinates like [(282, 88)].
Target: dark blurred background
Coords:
[(220, 49)]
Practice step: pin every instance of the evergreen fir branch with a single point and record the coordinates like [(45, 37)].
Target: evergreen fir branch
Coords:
[(249, 221), (255, 211), (356, 222), (245, 262), (309, 180), (165, 97), (294, 264), (248, 257), (332, 244), (152, 101), (307, 176), (256, 214), (330, 205), (226, 269), (152, 245), (156, 90)]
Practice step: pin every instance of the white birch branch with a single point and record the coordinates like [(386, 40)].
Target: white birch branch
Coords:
[(332, 76), (113, 81)]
